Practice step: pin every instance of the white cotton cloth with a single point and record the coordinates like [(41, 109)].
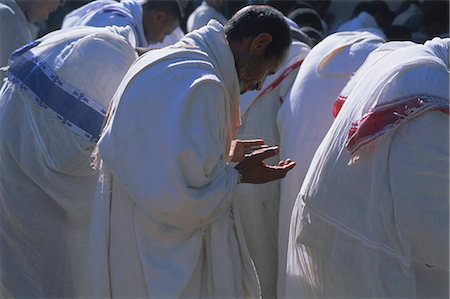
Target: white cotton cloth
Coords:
[(258, 204), (371, 59), (305, 116), (163, 222), (363, 21), (47, 180), (174, 37), (15, 31), (101, 13), (374, 222), (202, 15)]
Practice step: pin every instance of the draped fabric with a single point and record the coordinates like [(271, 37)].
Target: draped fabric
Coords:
[(373, 221), (101, 13), (259, 204), (47, 182), (305, 116), (164, 223), (363, 21), (202, 15)]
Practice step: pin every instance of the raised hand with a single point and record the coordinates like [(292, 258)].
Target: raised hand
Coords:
[(254, 170)]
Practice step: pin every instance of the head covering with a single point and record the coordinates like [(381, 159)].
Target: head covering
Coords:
[(413, 80)]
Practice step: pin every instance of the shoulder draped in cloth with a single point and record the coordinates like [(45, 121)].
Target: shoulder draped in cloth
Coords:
[(51, 110), (163, 221), (371, 219)]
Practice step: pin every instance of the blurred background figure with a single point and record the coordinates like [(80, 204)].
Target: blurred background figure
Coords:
[(151, 20), (309, 22), (371, 14), (209, 9), (17, 24)]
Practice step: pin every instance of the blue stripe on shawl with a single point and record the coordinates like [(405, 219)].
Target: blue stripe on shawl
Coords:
[(70, 107)]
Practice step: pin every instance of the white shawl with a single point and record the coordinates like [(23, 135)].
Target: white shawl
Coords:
[(51, 107), (164, 151), (371, 219), (103, 13), (305, 116)]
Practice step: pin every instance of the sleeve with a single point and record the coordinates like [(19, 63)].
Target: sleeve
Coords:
[(419, 178)]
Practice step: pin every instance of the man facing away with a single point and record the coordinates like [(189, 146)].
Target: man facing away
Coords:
[(164, 223), (151, 20), (371, 219), (52, 106), (17, 18), (307, 113)]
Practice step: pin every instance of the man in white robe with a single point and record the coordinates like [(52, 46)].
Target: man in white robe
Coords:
[(306, 115), (164, 221), (258, 204), (151, 20), (371, 219), (208, 10), (17, 18), (52, 106)]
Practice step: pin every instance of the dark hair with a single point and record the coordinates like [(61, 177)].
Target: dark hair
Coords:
[(256, 19), (171, 7), (399, 33), (307, 17), (380, 11)]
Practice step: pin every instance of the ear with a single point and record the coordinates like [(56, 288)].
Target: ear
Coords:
[(260, 43), (159, 16)]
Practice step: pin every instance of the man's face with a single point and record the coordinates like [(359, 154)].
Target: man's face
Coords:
[(256, 68), (157, 25)]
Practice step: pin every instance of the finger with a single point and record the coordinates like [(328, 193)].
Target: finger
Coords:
[(254, 148), (252, 142), (277, 172), (285, 166), (263, 153)]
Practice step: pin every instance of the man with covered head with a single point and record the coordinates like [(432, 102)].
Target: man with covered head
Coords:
[(165, 224), (371, 219), (151, 20), (52, 106)]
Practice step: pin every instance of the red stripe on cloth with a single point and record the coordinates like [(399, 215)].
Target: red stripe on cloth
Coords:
[(375, 123), (280, 79), (338, 105)]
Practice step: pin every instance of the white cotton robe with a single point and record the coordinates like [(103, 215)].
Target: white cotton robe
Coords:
[(102, 13), (15, 31), (163, 221), (51, 106), (202, 15), (371, 219), (258, 204), (306, 115)]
